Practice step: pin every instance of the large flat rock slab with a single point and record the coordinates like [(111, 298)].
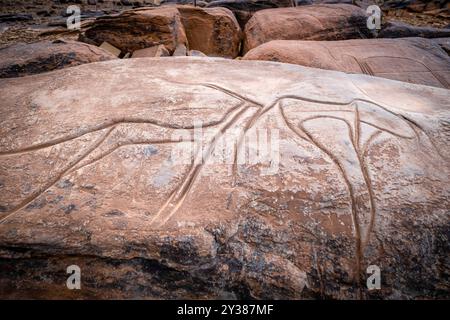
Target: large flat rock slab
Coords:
[(311, 22), (414, 60), (104, 166)]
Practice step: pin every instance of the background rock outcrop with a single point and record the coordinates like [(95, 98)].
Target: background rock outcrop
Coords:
[(244, 9), (95, 179), (399, 30), (139, 29), (315, 22), (25, 59), (414, 60), (213, 31)]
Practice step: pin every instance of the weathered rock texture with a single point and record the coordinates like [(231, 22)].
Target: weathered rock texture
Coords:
[(444, 43), (244, 9), (213, 31), (413, 60), (315, 22), (24, 59), (139, 29), (361, 177), (399, 30)]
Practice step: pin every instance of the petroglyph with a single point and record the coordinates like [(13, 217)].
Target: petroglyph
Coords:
[(347, 158)]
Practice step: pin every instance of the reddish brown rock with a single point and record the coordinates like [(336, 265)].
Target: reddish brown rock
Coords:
[(413, 60), (25, 59), (314, 22), (92, 174), (244, 9), (214, 31), (139, 29)]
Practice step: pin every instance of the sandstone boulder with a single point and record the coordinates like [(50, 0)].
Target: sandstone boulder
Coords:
[(315, 22), (414, 60), (396, 29), (25, 59), (139, 29), (96, 171), (244, 9), (214, 31)]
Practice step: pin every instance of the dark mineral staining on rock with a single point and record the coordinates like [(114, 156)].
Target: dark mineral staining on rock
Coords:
[(37, 204), (64, 184), (150, 151), (68, 209), (114, 213)]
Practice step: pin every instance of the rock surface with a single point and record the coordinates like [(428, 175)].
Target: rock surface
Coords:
[(315, 22), (400, 29), (139, 29), (358, 175), (25, 59), (244, 9), (444, 43), (414, 60), (213, 31)]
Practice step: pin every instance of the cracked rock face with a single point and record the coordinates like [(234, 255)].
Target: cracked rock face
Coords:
[(358, 175), (139, 29), (314, 22), (413, 60), (214, 31)]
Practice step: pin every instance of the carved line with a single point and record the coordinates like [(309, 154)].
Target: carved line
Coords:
[(177, 198), (119, 145), (302, 132), (355, 218), (360, 243), (441, 80), (132, 120), (41, 190), (411, 123), (109, 124), (368, 180)]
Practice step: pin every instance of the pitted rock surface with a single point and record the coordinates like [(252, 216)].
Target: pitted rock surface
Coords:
[(88, 176)]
